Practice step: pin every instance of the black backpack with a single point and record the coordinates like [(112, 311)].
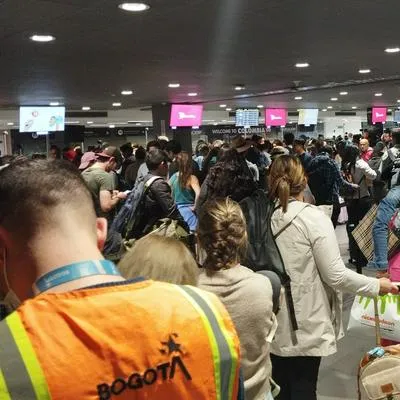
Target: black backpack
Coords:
[(263, 253)]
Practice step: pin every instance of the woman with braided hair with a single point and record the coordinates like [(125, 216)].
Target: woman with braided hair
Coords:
[(246, 294)]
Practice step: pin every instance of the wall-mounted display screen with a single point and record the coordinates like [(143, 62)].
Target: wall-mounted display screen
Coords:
[(275, 117), (41, 119), (396, 116), (379, 114), (186, 115), (308, 116), (247, 117)]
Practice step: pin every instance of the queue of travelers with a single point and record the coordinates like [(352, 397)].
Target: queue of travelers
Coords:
[(124, 274)]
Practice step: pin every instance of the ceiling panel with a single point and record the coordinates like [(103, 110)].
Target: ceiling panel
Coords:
[(206, 45)]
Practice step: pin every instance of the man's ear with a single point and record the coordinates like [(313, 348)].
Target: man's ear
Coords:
[(101, 231)]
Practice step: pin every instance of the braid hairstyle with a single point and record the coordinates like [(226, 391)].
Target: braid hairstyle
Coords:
[(222, 233)]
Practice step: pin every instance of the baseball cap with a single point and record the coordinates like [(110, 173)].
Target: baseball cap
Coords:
[(240, 144), (87, 158), (109, 152)]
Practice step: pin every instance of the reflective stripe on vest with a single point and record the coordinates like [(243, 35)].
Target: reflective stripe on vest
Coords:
[(21, 376), (224, 352)]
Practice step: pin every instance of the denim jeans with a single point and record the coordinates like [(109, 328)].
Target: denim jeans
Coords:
[(386, 209)]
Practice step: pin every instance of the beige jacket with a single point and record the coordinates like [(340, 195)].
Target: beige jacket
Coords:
[(312, 260), (248, 298)]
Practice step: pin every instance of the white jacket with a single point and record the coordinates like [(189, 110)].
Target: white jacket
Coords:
[(312, 260)]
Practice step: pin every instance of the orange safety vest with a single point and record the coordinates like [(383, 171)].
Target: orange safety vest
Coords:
[(144, 340)]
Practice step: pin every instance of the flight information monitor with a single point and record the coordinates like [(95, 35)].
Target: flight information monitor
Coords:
[(308, 116), (247, 117), (41, 119)]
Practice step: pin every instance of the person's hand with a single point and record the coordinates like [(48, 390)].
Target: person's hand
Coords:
[(122, 195), (355, 186), (386, 286)]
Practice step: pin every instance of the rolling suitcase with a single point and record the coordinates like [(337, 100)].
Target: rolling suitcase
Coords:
[(379, 370)]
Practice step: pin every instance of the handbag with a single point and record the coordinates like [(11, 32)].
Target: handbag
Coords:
[(379, 371), (362, 316), (363, 235)]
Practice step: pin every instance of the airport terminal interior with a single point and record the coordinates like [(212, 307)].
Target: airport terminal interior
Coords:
[(181, 120)]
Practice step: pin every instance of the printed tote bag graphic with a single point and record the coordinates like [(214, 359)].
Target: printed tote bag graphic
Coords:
[(362, 316)]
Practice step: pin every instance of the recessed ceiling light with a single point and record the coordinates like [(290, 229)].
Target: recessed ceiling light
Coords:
[(329, 107), (174, 85), (54, 103), (398, 101), (240, 87), (111, 126), (126, 92), (222, 105), (392, 50), (364, 71), (344, 93), (89, 122), (116, 104), (298, 98), (10, 123), (42, 38), (134, 7), (138, 124), (378, 94), (215, 123), (324, 110), (334, 98), (302, 65), (85, 108), (354, 108), (229, 109), (260, 106), (192, 94)]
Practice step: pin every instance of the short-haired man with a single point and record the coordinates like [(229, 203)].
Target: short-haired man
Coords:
[(325, 180), (366, 151), (158, 201), (102, 183), (299, 148), (143, 170), (88, 333)]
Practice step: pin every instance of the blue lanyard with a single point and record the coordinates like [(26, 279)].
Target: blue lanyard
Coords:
[(76, 271)]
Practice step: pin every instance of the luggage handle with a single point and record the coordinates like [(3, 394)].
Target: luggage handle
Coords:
[(377, 323)]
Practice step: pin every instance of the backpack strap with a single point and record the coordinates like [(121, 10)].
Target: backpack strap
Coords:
[(285, 279)]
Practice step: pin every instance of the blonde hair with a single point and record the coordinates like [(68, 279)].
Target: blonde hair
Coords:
[(162, 259), (286, 179), (222, 233)]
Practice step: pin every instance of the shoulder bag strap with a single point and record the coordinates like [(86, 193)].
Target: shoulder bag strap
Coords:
[(290, 223)]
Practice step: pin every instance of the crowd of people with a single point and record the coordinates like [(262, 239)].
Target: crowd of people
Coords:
[(124, 269)]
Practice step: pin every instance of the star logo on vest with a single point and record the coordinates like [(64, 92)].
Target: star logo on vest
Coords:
[(171, 346)]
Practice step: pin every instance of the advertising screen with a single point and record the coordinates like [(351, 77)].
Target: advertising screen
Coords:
[(379, 114), (308, 116), (186, 115), (247, 117), (41, 119), (275, 117), (396, 116)]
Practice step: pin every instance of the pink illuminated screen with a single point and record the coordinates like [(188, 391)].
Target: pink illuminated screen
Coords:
[(275, 117), (379, 114), (186, 115)]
